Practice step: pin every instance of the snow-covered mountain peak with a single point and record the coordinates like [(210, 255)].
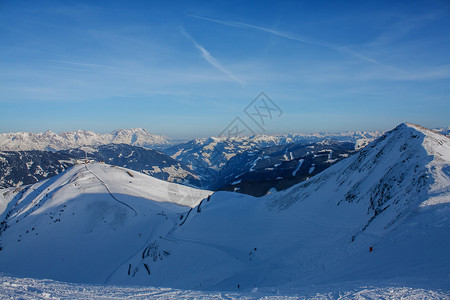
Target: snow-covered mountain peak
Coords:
[(134, 131), (49, 133), (138, 129), (384, 183), (435, 143), (137, 137)]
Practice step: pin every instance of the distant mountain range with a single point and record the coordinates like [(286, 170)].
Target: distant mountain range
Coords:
[(50, 141)]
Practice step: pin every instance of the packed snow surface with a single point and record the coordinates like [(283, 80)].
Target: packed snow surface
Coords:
[(27, 288)]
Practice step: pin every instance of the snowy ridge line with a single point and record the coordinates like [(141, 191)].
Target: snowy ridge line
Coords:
[(109, 191)]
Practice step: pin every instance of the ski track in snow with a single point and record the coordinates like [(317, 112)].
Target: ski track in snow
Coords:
[(128, 259), (109, 191)]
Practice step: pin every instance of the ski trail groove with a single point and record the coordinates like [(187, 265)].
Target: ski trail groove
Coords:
[(109, 191)]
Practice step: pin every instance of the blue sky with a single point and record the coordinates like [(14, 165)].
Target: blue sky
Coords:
[(188, 68)]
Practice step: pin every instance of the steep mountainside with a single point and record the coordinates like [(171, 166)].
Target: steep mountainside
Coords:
[(50, 141), (382, 213)]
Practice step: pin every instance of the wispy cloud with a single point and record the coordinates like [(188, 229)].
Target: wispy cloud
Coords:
[(401, 25), (302, 39), (210, 59), (79, 64)]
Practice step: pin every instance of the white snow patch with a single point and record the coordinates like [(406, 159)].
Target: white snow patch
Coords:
[(300, 162)]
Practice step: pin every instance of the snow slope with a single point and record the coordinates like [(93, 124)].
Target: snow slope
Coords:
[(392, 197), (83, 224), (50, 141)]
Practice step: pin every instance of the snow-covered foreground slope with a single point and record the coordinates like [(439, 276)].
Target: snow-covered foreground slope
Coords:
[(377, 216), (27, 288)]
